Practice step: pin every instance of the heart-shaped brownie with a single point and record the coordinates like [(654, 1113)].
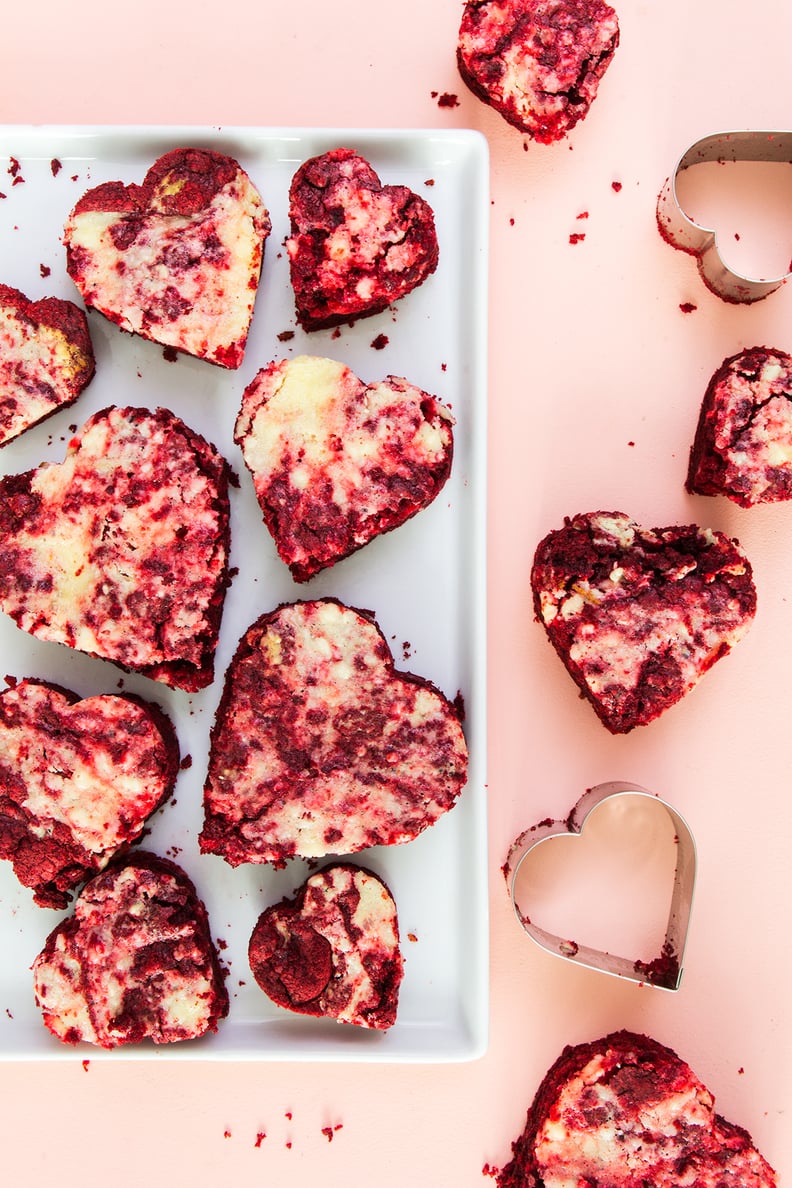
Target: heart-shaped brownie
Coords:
[(332, 949), (623, 1111), (135, 961), (336, 462), (78, 780), (537, 62), (356, 246), (46, 359), (636, 614), (743, 443), (320, 747), (177, 259), (121, 550)]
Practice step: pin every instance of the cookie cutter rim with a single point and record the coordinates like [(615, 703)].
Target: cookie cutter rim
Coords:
[(678, 229), (668, 974)]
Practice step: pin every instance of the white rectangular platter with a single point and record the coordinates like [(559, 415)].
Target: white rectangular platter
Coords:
[(425, 582)]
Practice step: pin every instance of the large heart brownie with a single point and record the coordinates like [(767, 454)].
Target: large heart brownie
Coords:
[(638, 615), (320, 747), (336, 462), (332, 950), (46, 359), (78, 780), (134, 961), (624, 1111), (177, 259), (537, 62), (356, 246), (121, 550)]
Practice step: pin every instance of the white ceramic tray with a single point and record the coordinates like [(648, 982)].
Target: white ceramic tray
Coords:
[(426, 581)]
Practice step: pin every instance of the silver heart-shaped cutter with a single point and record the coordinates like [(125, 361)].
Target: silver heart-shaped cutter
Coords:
[(665, 971), (702, 242)]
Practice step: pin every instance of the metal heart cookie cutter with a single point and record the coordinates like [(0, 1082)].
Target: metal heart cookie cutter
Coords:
[(665, 971), (702, 242)]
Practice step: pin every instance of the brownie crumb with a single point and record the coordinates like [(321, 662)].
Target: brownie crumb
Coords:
[(380, 342), (286, 336)]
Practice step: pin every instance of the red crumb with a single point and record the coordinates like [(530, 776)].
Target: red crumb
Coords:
[(687, 307), (86, 1064), (740, 1071), (447, 99), (170, 354), (630, 443), (221, 944), (286, 336), (260, 1138), (226, 1134), (13, 166), (185, 763), (429, 181), (44, 269), (412, 937), (616, 187), (584, 214), (489, 1170), (380, 342), (329, 1131), (577, 237), (55, 166), (288, 1115)]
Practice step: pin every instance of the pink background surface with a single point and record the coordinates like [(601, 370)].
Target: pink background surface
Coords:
[(589, 352)]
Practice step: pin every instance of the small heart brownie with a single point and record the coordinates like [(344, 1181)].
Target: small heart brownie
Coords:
[(46, 359), (320, 747), (336, 462), (121, 550), (356, 246), (78, 780), (135, 961), (624, 1111), (177, 259), (537, 62), (333, 949), (638, 615), (743, 443)]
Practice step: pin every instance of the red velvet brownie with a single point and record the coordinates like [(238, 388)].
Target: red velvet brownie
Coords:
[(46, 359), (336, 462), (332, 950), (78, 781), (356, 246), (135, 961), (625, 1111), (638, 615), (743, 443), (121, 550), (537, 62), (320, 747), (177, 259)]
